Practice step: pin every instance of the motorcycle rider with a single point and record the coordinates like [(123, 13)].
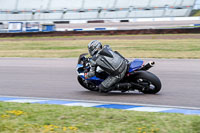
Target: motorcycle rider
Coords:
[(111, 62)]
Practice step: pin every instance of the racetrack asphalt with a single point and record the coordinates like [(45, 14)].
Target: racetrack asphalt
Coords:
[(56, 78)]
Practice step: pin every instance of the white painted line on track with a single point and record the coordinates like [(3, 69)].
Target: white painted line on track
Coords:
[(26, 100), (82, 104), (108, 102), (149, 109)]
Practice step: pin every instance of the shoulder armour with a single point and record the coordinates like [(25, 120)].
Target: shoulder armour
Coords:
[(106, 52)]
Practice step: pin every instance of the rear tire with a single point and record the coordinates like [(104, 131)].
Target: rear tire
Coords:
[(151, 82)]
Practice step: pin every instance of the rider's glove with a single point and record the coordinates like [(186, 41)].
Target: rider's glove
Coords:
[(85, 75)]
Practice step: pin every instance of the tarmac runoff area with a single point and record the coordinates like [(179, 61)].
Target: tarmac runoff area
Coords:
[(53, 81)]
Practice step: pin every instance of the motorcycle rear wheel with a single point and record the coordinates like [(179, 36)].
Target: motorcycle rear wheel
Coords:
[(151, 82)]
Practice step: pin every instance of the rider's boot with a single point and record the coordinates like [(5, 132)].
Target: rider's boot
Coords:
[(119, 86), (103, 89)]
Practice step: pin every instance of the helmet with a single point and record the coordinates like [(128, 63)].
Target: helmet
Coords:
[(94, 46)]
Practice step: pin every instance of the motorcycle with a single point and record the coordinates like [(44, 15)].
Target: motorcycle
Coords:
[(137, 75)]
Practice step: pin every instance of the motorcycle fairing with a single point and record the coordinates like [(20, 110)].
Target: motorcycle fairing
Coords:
[(81, 57), (81, 74), (135, 64), (79, 65)]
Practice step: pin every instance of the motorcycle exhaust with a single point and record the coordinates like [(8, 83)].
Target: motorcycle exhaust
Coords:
[(148, 65), (123, 87)]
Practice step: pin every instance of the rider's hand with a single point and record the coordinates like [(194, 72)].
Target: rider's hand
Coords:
[(85, 75)]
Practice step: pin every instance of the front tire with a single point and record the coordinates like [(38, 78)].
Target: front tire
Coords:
[(85, 85), (151, 82)]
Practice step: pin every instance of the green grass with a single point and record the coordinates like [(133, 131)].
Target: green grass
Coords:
[(197, 13), (147, 48), (34, 118)]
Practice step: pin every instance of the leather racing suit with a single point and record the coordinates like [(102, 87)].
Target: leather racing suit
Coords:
[(110, 62)]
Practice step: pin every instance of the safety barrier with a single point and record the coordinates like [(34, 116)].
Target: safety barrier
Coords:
[(33, 27), (137, 20), (103, 32)]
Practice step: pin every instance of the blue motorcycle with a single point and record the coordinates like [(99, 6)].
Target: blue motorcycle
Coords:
[(137, 75)]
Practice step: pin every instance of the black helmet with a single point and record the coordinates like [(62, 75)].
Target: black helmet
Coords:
[(94, 46)]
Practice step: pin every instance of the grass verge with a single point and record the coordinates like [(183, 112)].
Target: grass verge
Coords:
[(32, 118), (197, 13), (151, 48)]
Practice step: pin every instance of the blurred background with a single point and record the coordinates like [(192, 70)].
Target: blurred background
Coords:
[(90, 15)]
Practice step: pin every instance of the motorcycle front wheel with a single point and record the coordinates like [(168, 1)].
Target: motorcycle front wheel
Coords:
[(85, 85)]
